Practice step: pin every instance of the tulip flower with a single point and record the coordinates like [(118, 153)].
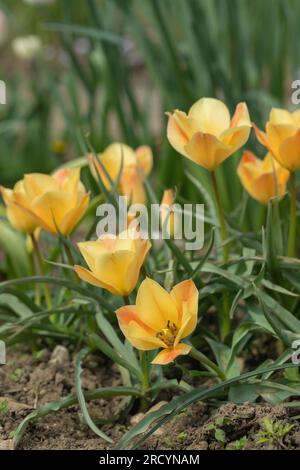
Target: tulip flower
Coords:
[(114, 261), (207, 135), (17, 203), (282, 137), (262, 179), (161, 319), (137, 165), (55, 202)]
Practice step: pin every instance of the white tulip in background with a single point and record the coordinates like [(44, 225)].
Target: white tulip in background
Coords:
[(27, 47)]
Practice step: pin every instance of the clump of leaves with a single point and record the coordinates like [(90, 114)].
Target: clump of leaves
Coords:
[(17, 374), (273, 432), (4, 409), (240, 444), (216, 428), (182, 436)]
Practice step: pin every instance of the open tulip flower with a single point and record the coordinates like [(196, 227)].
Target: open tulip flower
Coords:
[(282, 137), (262, 179), (207, 135), (161, 319), (114, 262), (55, 202), (137, 165)]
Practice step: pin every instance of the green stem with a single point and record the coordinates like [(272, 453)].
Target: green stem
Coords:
[(224, 317), (221, 216), (40, 264), (198, 356), (126, 300), (293, 216), (70, 258), (144, 402)]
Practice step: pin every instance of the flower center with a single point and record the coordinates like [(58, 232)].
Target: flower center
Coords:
[(168, 334)]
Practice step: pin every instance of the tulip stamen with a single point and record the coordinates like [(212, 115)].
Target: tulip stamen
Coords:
[(168, 334)]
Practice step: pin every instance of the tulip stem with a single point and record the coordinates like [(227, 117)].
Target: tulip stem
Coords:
[(293, 216), (221, 216), (69, 256), (224, 317), (126, 300), (198, 356), (40, 264), (144, 402)]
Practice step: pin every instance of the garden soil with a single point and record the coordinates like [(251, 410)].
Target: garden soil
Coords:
[(28, 382)]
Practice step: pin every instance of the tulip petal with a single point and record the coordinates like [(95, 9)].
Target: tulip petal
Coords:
[(180, 130), (72, 217), (281, 116), (262, 179), (114, 269), (144, 159), (241, 116), (140, 335), (289, 152), (207, 150), (236, 137), (52, 207), (210, 115), (89, 277), (277, 134), (155, 305), (141, 249), (36, 184), (261, 136), (169, 355), (90, 250), (186, 294), (131, 185)]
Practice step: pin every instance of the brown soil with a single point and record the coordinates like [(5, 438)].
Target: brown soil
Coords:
[(27, 382)]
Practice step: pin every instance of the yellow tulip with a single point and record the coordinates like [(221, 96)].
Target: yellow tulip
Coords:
[(114, 262), (18, 205), (207, 135), (282, 137), (136, 165), (262, 179), (161, 319), (55, 202)]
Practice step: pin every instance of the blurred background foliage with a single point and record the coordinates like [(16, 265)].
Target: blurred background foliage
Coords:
[(109, 69)]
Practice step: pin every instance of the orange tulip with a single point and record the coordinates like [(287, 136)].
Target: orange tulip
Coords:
[(207, 135), (114, 262), (262, 179), (55, 203), (136, 166), (282, 137), (161, 319)]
